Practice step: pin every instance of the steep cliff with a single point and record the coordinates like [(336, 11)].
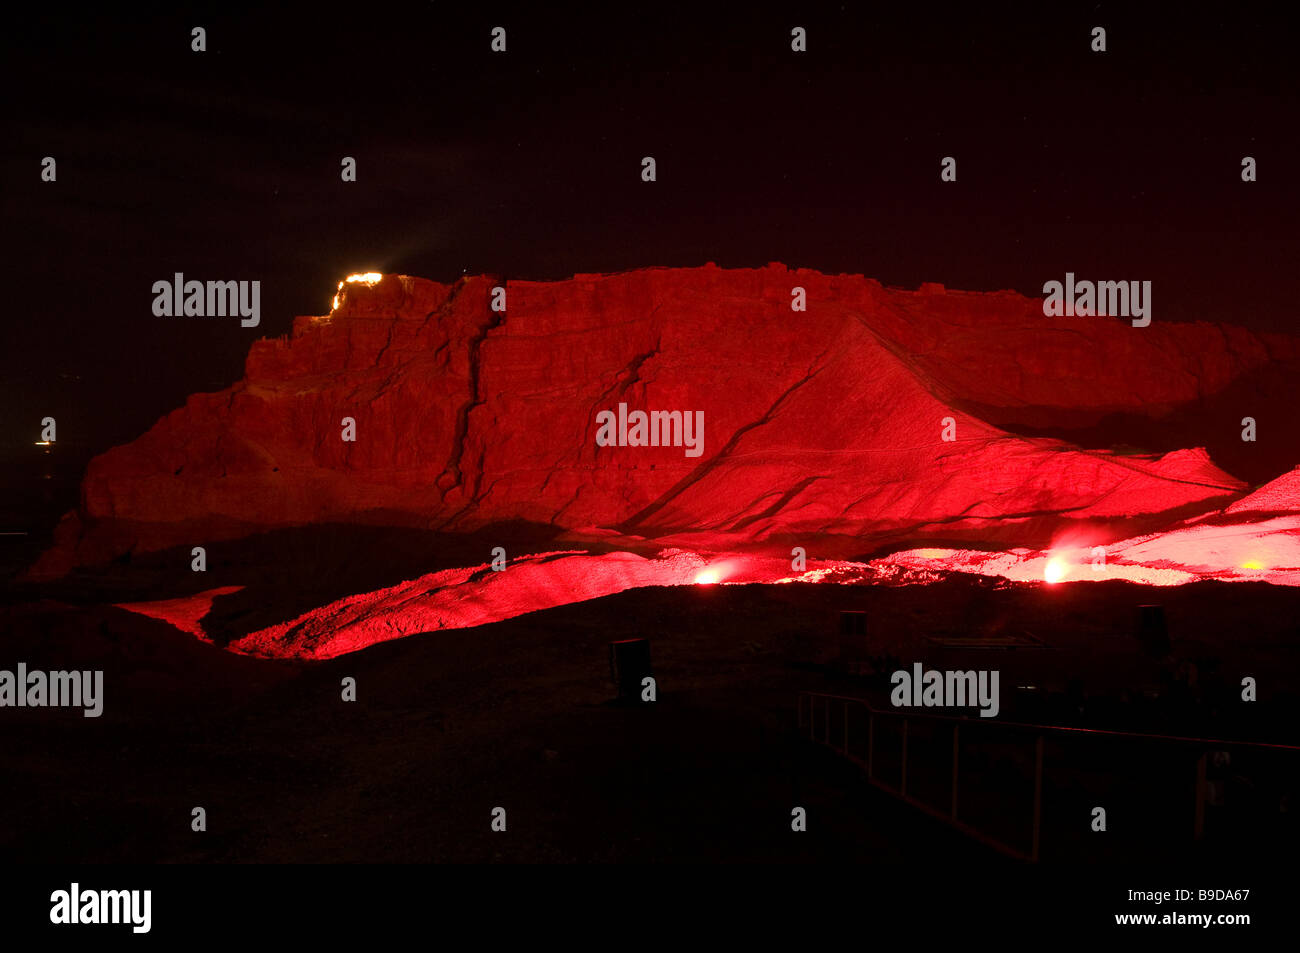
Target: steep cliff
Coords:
[(829, 422)]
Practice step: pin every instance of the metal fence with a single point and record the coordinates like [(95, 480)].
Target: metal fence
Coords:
[(917, 757)]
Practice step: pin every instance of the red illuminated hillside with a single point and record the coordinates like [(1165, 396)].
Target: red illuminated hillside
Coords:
[(826, 422)]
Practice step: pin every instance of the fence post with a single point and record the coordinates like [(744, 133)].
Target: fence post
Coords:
[(871, 743), (903, 786), (1038, 795), (1199, 824), (955, 727)]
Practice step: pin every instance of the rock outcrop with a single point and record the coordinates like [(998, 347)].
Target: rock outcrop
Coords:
[(825, 423)]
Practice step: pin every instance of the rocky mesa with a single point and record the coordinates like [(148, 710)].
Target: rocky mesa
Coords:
[(843, 421)]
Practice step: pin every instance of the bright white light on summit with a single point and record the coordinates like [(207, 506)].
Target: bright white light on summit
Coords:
[(369, 279)]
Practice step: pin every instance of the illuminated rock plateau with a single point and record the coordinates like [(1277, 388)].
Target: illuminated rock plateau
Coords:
[(821, 425)]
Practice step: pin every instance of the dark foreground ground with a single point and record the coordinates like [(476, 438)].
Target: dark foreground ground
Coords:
[(518, 715)]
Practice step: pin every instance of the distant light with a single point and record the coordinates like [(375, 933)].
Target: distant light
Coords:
[(42, 443), (1252, 564), (1055, 570), (369, 279), (707, 577)]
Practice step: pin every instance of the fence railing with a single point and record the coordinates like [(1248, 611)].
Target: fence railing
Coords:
[(854, 728)]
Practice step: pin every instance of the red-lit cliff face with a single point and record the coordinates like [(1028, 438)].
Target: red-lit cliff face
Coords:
[(826, 423)]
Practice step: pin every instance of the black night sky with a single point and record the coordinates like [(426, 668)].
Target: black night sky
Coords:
[(225, 164)]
